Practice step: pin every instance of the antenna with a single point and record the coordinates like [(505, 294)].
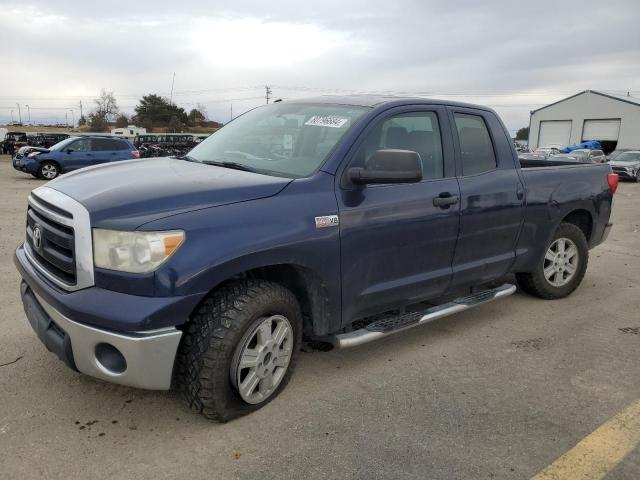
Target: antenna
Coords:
[(173, 80), (268, 92)]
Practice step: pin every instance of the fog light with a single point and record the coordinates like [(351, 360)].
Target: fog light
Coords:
[(110, 358)]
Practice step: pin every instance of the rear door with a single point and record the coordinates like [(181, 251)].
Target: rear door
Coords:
[(492, 197), (397, 240), (110, 150)]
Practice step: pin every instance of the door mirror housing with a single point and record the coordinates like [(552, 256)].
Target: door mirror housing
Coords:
[(69, 150), (388, 166)]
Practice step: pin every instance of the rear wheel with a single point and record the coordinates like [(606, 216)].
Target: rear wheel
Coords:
[(48, 170), (239, 349), (561, 268)]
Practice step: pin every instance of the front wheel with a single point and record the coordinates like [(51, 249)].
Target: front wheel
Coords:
[(48, 170), (562, 266), (239, 349)]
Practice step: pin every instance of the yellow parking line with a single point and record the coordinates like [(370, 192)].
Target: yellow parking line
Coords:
[(600, 451)]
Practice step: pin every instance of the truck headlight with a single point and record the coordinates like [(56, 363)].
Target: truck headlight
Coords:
[(134, 252)]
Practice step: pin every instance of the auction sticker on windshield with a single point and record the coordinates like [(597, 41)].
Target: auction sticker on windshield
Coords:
[(326, 121)]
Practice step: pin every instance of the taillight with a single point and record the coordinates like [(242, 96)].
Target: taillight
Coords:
[(613, 180), (135, 154)]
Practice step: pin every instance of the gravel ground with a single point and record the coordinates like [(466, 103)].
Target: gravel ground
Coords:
[(498, 392)]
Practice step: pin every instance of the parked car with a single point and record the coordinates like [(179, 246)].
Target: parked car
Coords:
[(627, 165), (595, 156), (532, 156), (566, 157), (546, 151), (332, 217), (615, 153), (74, 153), (46, 140), (12, 141)]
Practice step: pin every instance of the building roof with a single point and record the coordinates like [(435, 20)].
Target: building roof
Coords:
[(623, 98)]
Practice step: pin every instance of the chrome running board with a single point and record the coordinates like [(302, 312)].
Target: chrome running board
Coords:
[(388, 326)]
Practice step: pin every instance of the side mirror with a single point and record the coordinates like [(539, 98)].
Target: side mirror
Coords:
[(389, 166), (70, 150)]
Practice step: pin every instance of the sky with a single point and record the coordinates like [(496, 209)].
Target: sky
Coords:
[(512, 56)]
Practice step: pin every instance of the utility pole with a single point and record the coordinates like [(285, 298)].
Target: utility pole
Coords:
[(19, 113), (66, 119), (29, 114), (172, 83), (80, 108), (12, 115), (73, 118), (267, 89)]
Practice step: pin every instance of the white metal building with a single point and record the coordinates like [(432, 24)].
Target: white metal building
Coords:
[(590, 115)]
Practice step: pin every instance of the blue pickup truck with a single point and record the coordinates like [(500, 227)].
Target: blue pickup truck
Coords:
[(342, 220)]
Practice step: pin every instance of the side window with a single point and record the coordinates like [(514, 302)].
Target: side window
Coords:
[(82, 145), (416, 131), (102, 144), (475, 144)]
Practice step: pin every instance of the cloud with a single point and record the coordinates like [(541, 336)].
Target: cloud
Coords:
[(509, 55)]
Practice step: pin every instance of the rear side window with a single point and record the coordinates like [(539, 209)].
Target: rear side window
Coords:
[(105, 144), (475, 144)]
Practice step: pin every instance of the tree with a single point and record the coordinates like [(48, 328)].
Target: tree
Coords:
[(97, 122), (522, 134), (196, 117), (122, 121), (82, 121), (106, 106), (158, 110), (175, 125)]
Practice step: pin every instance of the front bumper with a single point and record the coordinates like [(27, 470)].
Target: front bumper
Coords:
[(127, 339), (625, 174), (141, 359)]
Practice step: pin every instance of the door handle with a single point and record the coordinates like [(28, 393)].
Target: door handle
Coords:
[(445, 200), (519, 191)]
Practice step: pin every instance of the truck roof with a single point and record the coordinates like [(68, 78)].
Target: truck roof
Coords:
[(377, 100)]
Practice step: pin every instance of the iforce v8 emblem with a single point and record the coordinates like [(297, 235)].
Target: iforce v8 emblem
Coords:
[(327, 221)]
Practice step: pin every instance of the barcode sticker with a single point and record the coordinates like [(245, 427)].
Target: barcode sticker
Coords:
[(326, 121)]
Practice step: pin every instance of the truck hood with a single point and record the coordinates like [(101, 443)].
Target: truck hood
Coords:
[(125, 195)]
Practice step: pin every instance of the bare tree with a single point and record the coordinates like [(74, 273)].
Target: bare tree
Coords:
[(106, 106), (202, 109)]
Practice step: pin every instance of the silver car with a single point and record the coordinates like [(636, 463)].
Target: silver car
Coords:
[(588, 156), (627, 165)]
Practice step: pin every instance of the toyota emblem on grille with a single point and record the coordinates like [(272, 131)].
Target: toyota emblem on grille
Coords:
[(37, 236)]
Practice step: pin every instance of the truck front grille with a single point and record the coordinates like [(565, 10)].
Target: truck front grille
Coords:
[(52, 244), (59, 243)]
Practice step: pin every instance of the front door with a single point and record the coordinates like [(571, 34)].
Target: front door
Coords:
[(78, 155), (398, 240)]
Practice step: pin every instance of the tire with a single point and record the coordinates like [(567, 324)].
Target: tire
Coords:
[(48, 170), (536, 282), (208, 376)]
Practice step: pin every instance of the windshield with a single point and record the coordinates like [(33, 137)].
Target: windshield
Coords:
[(283, 139), (628, 157)]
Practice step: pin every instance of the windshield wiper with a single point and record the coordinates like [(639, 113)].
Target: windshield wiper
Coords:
[(186, 157), (233, 165)]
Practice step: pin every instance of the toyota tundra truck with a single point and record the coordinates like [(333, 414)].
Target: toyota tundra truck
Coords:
[(339, 219)]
